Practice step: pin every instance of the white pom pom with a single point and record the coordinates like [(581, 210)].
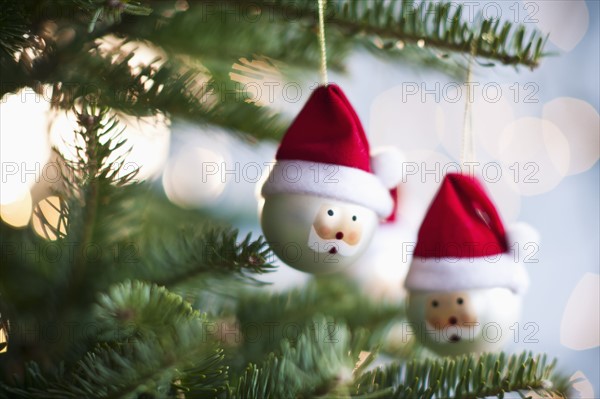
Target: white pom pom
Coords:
[(522, 233), (386, 163)]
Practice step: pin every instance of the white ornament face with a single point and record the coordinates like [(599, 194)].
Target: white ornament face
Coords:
[(459, 322), (314, 234)]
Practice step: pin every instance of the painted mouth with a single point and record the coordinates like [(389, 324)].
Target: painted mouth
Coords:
[(342, 248), (454, 338)]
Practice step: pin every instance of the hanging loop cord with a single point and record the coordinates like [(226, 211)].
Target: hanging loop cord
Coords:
[(468, 145), (324, 79)]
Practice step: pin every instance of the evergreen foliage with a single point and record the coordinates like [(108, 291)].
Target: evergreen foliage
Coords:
[(143, 298)]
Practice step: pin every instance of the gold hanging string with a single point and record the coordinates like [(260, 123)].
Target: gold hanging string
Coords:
[(324, 79), (468, 145)]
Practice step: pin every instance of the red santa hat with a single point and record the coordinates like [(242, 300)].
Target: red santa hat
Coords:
[(325, 153), (462, 243)]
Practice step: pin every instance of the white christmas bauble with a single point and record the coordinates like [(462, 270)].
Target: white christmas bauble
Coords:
[(314, 234), (459, 322)]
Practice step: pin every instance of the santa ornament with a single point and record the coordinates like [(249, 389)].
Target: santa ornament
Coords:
[(465, 281), (326, 193)]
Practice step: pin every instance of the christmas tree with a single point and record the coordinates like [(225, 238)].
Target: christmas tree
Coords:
[(147, 299)]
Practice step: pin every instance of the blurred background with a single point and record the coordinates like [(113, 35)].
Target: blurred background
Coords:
[(537, 141)]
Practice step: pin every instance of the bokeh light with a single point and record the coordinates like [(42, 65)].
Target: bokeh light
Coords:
[(3, 340), (536, 153), (580, 325), (148, 138), (24, 145), (147, 146), (581, 386), (580, 123), (261, 81), (17, 213), (193, 177), (143, 53), (566, 21), (47, 221)]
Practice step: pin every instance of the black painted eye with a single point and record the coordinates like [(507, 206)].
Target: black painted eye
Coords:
[(354, 218), (434, 304), (330, 212), (459, 301)]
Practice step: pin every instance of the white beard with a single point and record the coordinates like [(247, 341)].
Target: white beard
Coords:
[(320, 245)]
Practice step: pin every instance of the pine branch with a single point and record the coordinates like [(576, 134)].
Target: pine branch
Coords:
[(90, 160), (134, 309), (78, 70), (194, 31), (286, 33), (327, 366), (75, 69), (90, 180), (27, 279), (268, 315), (206, 379), (344, 298), (111, 11), (127, 370), (57, 288), (436, 25), (146, 336), (192, 254), (468, 377), (14, 25), (38, 291), (317, 364), (44, 44), (172, 87)]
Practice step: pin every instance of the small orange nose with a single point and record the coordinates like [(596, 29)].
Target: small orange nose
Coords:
[(339, 235), (452, 320)]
